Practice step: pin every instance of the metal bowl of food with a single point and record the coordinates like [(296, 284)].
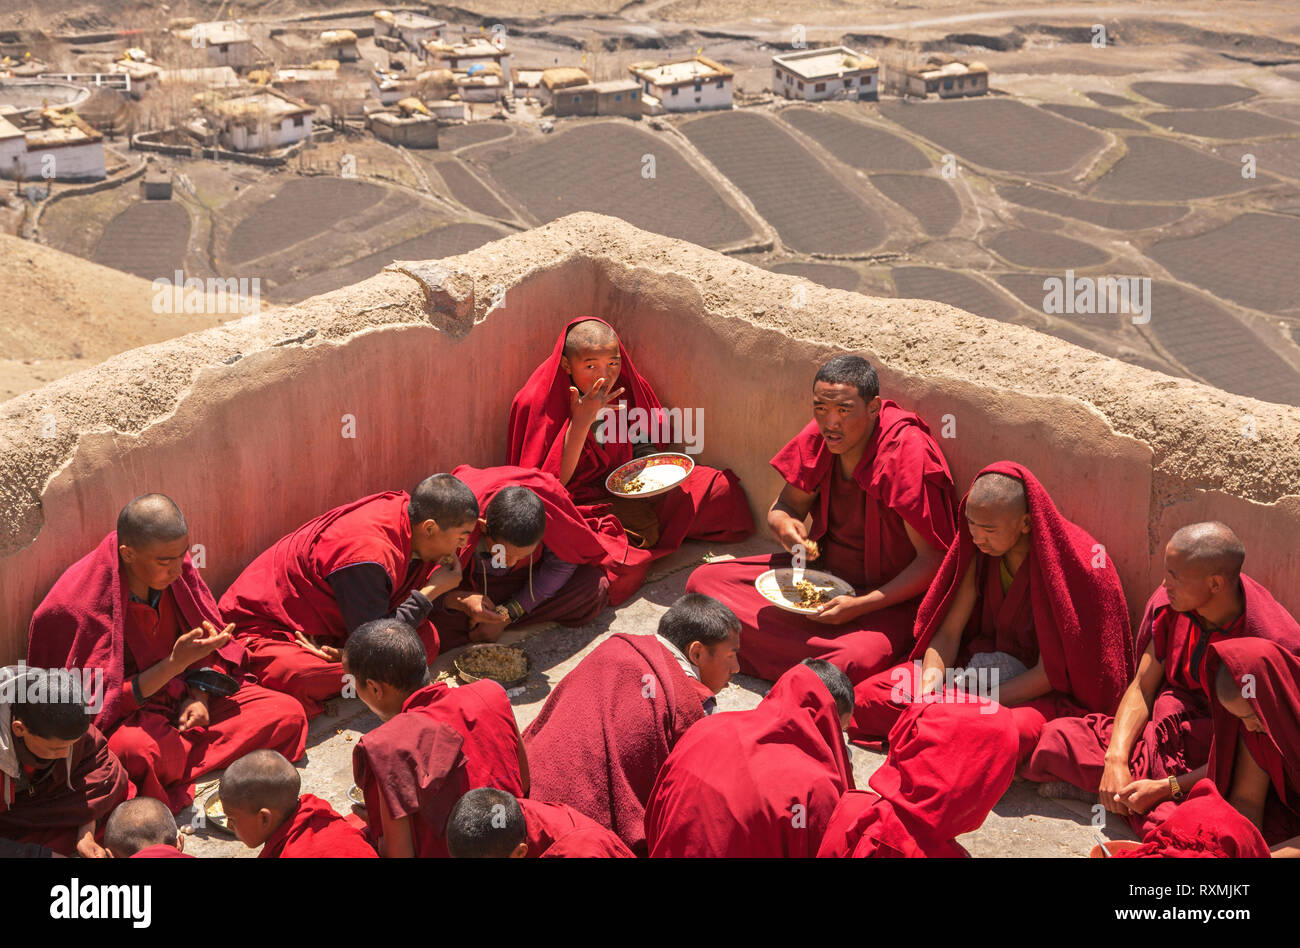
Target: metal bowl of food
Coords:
[(506, 665)]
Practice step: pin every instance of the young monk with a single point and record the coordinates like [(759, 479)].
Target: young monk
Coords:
[(1023, 591), (881, 500), (1204, 826), (387, 663), (143, 828), (948, 765), (58, 778), (531, 558), (1144, 759), (260, 794), (608, 726), (389, 554), (492, 824), (556, 426), (137, 608), (760, 783)]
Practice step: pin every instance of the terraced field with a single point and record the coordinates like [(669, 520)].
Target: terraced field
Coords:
[(148, 239)]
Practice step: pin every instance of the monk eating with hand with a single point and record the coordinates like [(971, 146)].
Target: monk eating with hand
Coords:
[(1024, 594), (386, 555), (178, 700), (559, 424), (143, 828), (881, 500), (491, 824), (1141, 762)]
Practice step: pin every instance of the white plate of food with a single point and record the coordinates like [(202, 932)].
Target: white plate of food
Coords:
[(649, 476), (811, 592)]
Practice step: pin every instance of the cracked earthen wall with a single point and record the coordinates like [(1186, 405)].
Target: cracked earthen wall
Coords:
[(244, 424)]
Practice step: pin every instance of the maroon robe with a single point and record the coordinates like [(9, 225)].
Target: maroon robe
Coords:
[(860, 526), (556, 831), (314, 830), (482, 715), (161, 851), (1204, 826)]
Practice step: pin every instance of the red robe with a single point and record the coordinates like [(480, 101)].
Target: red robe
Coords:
[(709, 505), (482, 715), (1204, 826), (88, 620), (316, 831), (556, 831), (287, 588), (901, 480), (760, 783), (600, 755), (948, 765), (161, 851), (1061, 607), (1177, 736)]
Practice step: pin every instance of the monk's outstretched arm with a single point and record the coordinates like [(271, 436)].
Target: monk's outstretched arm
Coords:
[(786, 517), (946, 643), (1131, 717), (913, 580)]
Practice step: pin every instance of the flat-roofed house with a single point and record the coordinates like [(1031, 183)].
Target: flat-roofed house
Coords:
[(463, 57), (836, 72), (340, 45), (412, 30), (949, 80), (609, 97), (685, 85), (227, 42), (64, 148), (557, 78), (257, 120)]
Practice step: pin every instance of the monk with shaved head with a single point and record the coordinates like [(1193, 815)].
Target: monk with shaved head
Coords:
[(176, 699), (1145, 759), (143, 828)]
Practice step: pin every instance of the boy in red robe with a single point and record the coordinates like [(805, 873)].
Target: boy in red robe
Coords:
[(137, 608), (260, 794), (948, 765), (386, 661), (881, 499), (1204, 826), (1023, 591), (608, 726), (58, 778), (1144, 759), (551, 428), (492, 824), (388, 554), (143, 828), (760, 783)]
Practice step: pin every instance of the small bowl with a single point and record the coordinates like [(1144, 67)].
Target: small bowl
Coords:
[(681, 466), (470, 677), (219, 818), (356, 796), (1113, 846)]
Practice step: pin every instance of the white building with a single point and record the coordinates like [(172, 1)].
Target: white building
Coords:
[(64, 149), (684, 86), (463, 57), (950, 80), (836, 72), (209, 77), (227, 43), (412, 29), (261, 120)]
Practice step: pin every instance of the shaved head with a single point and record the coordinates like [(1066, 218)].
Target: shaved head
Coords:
[(588, 335), (138, 824), (150, 519), (261, 780), (1210, 547), (999, 492)]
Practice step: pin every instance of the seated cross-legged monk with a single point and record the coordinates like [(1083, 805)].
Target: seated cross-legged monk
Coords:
[(137, 608), (1155, 748), (1024, 593), (557, 425), (491, 824), (389, 554), (533, 557), (948, 764), (387, 663), (760, 783), (881, 499), (58, 778), (608, 726), (1204, 826), (143, 828), (260, 794)]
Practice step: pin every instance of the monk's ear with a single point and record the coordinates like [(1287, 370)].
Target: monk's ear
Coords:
[(127, 554), (695, 651), (180, 842), (873, 406), (1024, 524), (520, 851), (565, 365)]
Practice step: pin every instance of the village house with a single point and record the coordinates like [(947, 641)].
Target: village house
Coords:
[(227, 43), (684, 86), (411, 30), (256, 120), (609, 97), (836, 72), (557, 78), (64, 148), (341, 45), (412, 125), (207, 77), (464, 57), (951, 79)]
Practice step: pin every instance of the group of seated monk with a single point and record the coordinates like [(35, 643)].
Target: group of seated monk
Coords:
[(983, 640)]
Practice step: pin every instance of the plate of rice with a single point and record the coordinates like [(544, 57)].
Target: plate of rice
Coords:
[(649, 476), (804, 595)]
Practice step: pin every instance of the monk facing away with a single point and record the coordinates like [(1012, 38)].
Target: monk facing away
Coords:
[(558, 424), (58, 778), (137, 608), (491, 824), (760, 783), (881, 500), (436, 741), (143, 828), (608, 726), (1023, 595), (386, 555), (260, 794), (1142, 761)]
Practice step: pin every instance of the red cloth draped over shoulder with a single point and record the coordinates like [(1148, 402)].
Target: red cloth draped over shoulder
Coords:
[(287, 587), (1204, 826), (1080, 616), (415, 765), (731, 785), (81, 622), (902, 469), (482, 715), (556, 831), (315, 830), (161, 851), (570, 535), (600, 739)]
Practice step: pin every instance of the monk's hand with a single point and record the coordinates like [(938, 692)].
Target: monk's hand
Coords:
[(444, 579), (330, 653), (194, 713), (1114, 778), (199, 643), (481, 609), (794, 533), (584, 409), (87, 848), (838, 611), (1141, 796), (323, 652)]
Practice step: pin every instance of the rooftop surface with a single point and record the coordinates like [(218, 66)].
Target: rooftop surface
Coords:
[(817, 63)]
